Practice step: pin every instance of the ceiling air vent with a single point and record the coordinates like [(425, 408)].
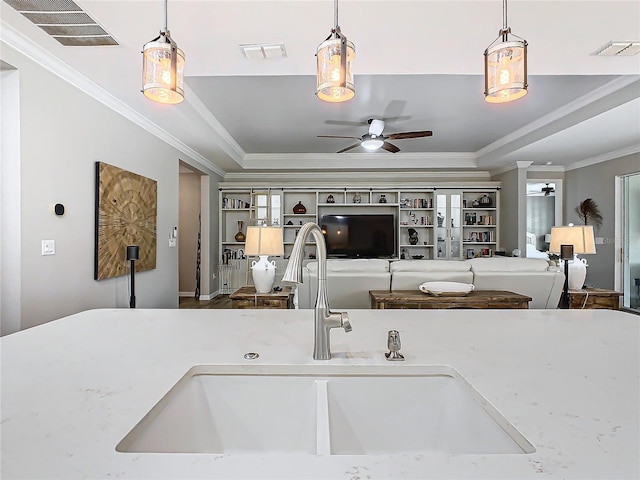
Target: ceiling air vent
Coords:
[(65, 21), (263, 51), (618, 49)]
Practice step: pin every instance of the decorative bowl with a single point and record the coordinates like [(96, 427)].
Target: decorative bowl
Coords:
[(417, 257), (449, 289)]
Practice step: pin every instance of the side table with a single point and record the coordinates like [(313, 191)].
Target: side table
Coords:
[(595, 298), (246, 297)]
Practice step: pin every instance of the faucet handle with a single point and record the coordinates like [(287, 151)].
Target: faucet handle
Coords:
[(345, 321), (393, 343)]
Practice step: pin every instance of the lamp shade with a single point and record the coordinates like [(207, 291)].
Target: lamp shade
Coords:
[(505, 67), (163, 70), (334, 73), (581, 237), (264, 241)]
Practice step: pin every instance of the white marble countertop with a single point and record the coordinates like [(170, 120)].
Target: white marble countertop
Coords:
[(567, 380)]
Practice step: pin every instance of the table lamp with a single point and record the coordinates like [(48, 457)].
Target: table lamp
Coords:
[(569, 242), (263, 241)]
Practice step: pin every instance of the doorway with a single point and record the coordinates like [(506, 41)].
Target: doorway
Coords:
[(628, 233), (544, 210)]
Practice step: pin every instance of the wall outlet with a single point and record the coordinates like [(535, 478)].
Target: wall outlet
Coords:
[(599, 240), (213, 276), (48, 247)]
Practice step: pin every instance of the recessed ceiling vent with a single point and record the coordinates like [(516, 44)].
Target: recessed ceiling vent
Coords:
[(618, 49), (263, 51), (65, 21)]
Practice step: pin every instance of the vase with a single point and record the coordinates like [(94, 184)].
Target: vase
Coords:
[(299, 208), (240, 237), (413, 236), (383, 199)]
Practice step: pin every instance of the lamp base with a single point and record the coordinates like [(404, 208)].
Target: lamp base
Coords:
[(264, 274), (577, 272)]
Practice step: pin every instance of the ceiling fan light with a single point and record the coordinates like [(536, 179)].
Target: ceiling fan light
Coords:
[(163, 70), (372, 144), (334, 75)]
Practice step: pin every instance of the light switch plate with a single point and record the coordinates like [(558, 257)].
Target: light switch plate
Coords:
[(48, 247), (599, 241)]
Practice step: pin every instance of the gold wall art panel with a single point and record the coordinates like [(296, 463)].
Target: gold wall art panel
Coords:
[(126, 211)]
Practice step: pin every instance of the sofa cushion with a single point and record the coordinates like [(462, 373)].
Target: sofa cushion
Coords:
[(409, 274), (509, 264), (430, 266), (353, 265)]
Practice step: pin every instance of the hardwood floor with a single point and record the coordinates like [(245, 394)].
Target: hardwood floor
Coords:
[(221, 301)]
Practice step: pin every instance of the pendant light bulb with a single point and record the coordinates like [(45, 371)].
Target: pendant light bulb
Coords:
[(334, 74), (163, 68), (505, 66)]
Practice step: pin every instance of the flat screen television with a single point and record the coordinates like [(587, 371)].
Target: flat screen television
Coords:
[(359, 236)]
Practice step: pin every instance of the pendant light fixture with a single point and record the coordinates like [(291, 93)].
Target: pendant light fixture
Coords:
[(334, 74), (505, 65), (163, 68)]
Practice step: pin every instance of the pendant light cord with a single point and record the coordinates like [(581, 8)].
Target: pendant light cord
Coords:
[(504, 14), (166, 22), (335, 14)]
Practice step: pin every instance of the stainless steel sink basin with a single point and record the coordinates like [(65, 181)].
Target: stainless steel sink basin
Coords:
[(324, 410)]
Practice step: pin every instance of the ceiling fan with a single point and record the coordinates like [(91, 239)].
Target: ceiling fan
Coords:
[(547, 190), (374, 139)]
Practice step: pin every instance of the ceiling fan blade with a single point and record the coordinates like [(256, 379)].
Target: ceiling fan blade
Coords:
[(337, 136), (397, 136), (348, 148), (390, 147), (347, 123), (376, 127)]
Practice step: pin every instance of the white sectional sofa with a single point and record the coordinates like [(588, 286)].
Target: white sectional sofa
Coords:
[(349, 281)]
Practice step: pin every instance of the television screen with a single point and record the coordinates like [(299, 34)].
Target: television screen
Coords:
[(359, 236)]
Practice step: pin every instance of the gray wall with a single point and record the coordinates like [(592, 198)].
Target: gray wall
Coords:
[(598, 182), (509, 201), (63, 132)]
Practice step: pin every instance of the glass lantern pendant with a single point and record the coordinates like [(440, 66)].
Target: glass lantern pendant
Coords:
[(163, 68), (334, 72), (505, 66)]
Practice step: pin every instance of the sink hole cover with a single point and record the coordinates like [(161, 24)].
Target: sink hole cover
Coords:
[(251, 356)]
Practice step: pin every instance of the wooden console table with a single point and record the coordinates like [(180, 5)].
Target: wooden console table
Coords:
[(475, 299), (246, 297), (595, 298)]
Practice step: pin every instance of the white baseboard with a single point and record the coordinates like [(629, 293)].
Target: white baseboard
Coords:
[(201, 297)]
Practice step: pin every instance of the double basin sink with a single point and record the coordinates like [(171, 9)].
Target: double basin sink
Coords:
[(324, 410)]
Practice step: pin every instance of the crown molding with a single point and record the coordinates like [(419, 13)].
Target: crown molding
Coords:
[(27, 47), (350, 161), (570, 109), (512, 166), (227, 142), (546, 168), (352, 178), (623, 152)]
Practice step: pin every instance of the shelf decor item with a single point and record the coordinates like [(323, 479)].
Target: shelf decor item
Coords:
[(264, 241), (357, 198), (299, 208), (485, 200), (330, 199), (240, 236), (413, 236), (383, 198)]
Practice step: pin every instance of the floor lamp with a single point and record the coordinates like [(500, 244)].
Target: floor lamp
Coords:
[(263, 241), (133, 253), (569, 242)]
